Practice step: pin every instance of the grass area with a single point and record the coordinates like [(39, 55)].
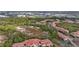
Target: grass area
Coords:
[(7, 27), (14, 21), (69, 26)]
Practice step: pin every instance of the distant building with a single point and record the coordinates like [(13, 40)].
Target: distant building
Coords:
[(21, 15), (3, 16)]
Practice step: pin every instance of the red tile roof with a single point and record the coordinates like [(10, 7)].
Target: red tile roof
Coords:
[(76, 34), (34, 42), (62, 36), (55, 23)]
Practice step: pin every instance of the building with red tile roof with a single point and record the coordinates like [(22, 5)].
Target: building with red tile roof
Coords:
[(75, 34), (34, 43), (62, 36), (54, 24)]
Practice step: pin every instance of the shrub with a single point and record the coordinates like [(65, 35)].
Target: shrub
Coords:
[(8, 43), (18, 37)]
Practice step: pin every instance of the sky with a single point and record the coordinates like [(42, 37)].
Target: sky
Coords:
[(39, 5)]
